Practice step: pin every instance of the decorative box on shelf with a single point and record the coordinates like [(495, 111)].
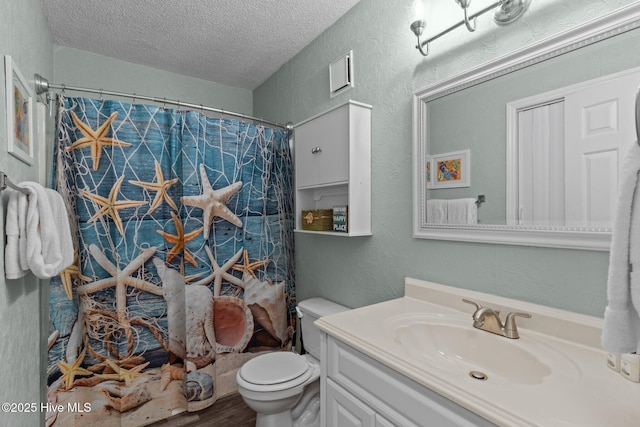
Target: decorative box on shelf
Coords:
[(340, 219), (317, 219)]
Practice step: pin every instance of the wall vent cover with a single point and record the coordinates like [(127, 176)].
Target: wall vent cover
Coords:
[(341, 74)]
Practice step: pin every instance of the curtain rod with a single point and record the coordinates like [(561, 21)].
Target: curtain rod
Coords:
[(42, 85)]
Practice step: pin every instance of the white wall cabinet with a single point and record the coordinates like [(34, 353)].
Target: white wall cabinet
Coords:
[(356, 390), (333, 165)]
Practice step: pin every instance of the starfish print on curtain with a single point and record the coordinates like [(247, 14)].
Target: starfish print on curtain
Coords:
[(122, 374), (120, 279), (249, 267), (156, 193), (110, 206), (95, 139), (128, 362), (71, 370), (214, 202), (179, 239), (218, 273), (67, 275), (160, 187)]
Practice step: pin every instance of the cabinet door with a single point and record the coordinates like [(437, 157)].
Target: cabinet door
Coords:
[(322, 149), (345, 410)]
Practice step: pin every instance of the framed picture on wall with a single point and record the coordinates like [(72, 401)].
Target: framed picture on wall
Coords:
[(427, 170), (20, 139), (450, 170)]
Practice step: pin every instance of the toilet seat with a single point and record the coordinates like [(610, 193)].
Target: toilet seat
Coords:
[(274, 372)]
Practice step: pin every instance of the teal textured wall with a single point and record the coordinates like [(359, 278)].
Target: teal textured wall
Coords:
[(24, 36), (86, 69), (388, 70)]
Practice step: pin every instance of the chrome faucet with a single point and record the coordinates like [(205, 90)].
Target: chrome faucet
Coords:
[(488, 319)]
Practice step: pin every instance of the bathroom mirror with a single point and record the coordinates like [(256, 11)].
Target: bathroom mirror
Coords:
[(469, 113)]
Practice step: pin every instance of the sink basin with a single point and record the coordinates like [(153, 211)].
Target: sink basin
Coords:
[(451, 343)]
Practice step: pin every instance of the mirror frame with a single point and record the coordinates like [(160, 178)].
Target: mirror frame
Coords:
[(617, 22)]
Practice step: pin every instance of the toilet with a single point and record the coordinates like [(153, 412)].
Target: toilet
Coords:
[(284, 387)]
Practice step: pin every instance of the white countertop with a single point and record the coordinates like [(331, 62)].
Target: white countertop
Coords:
[(580, 390)]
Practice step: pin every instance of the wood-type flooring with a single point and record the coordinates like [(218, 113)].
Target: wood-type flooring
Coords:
[(229, 411)]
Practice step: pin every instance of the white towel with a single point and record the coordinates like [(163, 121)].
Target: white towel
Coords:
[(38, 233), (621, 331), (462, 211), (436, 211), (12, 267)]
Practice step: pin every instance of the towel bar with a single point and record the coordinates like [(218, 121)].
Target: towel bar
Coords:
[(6, 182)]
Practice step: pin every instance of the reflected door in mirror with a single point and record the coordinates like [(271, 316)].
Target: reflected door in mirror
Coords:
[(570, 150), (600, 124), (541, 190)]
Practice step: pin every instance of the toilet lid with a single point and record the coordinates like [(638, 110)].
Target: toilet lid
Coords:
[(274, 368)]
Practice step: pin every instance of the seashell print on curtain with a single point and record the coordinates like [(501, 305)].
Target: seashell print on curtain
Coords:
[(183, 226)]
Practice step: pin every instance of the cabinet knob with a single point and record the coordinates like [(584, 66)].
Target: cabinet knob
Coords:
[(316, 150)]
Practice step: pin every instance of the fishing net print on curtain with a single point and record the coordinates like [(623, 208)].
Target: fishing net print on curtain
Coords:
[(184, 263)]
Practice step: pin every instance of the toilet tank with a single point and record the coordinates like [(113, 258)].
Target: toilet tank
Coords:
[(309, 311)]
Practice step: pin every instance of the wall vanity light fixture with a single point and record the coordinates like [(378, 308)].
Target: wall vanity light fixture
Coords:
[(509, 11)]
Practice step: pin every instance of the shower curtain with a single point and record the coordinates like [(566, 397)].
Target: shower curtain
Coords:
[(183, 228)]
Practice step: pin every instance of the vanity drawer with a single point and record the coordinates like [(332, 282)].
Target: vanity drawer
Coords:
[(402, 401)]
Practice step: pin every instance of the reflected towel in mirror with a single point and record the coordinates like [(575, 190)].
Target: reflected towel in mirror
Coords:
[(437, 211), (462, 211)]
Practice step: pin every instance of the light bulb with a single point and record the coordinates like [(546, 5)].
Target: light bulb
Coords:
[(418, 9)]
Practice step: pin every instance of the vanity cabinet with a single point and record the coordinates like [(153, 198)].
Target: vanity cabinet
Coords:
[(333, 166), (357, 390)]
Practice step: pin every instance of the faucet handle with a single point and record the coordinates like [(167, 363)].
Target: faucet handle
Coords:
[(510, 316), (510, 328), (478, 306)]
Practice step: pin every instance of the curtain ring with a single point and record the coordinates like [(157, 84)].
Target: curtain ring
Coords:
[(101, 98), (133, 99), (222, 114), (63, 88), (164, 103)]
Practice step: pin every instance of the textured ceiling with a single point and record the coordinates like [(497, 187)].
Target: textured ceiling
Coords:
[(238, 43)]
